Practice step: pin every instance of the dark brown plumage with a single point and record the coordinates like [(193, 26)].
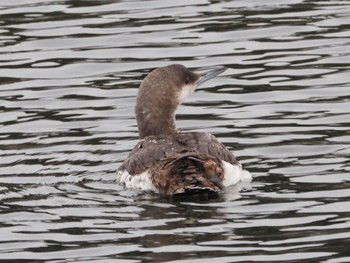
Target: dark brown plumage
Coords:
[(181, 162), (168, 161)]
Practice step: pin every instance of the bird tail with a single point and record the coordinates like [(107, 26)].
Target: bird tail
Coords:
[(189, 173)]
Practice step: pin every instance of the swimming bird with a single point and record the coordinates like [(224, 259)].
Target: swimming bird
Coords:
[(169, 161)]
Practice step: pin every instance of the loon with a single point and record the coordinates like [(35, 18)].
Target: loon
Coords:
[(168, 161)]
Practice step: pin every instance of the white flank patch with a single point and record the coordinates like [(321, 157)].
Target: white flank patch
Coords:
[(246, 176), (234, 173), (140, 181)]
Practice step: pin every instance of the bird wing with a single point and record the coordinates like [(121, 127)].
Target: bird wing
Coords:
[(206, 143), (151, 150)]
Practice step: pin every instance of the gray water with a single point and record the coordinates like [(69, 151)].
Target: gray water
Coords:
[(69, 73)]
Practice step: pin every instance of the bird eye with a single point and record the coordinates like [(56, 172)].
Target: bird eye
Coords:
[(187, 79)]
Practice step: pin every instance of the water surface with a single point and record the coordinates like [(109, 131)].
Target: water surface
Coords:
[(69, 75)]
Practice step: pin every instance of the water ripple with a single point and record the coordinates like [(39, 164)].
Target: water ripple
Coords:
[(69, 76)]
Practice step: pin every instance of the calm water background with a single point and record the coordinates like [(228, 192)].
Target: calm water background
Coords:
[(69, 73)]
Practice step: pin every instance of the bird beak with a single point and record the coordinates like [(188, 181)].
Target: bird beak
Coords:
[(207, 75)]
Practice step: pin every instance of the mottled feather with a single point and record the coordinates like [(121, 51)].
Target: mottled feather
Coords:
[(183, 161)]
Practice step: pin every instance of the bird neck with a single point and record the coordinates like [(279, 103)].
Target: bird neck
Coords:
[(155, 119)]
